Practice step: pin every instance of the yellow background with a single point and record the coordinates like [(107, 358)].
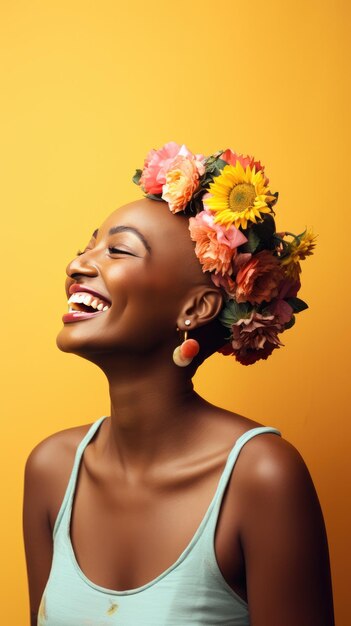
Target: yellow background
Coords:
[(87, 89)]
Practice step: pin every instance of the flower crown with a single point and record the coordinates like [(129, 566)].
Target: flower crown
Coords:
[(230, 208)]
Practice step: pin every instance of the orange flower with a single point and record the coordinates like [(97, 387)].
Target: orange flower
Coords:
[(215, 244)]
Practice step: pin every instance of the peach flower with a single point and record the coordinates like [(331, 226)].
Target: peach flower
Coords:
[(182, 180), (158, 162), (215, 245), (258, 280)]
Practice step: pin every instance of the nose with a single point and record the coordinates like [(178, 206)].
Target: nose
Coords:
[(82, 265)]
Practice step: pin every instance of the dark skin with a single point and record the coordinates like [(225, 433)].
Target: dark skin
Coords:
[(149, 474)]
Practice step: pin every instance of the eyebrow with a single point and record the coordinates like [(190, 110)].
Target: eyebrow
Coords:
[(128, 229)]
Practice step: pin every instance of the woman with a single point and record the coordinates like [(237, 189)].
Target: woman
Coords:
[(139, 517)]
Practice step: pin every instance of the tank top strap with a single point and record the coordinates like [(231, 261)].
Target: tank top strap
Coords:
[(73, 476), (231, 460)]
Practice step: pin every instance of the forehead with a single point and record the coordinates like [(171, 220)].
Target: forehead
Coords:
[(166, 233), (152, 218)]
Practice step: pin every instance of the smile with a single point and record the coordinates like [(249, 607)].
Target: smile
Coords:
[(83, 306), (81, 301)]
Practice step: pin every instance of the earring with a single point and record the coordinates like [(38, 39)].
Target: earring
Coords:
[(184, 354)]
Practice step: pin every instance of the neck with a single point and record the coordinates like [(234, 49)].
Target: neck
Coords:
[(153, 403)]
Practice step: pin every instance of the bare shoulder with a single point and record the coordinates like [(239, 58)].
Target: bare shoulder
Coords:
[(56, 451), (267, 463), (50, 463), (271, 464)]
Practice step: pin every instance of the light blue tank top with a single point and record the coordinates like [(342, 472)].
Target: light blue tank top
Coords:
[(192, 591)]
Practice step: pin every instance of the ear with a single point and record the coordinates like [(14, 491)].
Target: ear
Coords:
[(201, 307)]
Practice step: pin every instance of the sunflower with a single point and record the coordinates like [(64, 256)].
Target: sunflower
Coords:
[(239, 196), (301, 247)]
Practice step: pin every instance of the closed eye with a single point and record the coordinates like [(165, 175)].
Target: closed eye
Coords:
[(118, 251), (110, 249)]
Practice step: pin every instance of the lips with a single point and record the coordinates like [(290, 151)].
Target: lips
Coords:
[(81, 305), (77, 316)]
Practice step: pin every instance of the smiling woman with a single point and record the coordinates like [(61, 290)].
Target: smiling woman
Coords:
[(139, 517), (80, 301)]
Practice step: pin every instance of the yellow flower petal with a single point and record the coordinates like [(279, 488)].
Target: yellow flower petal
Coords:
[(247, 204)]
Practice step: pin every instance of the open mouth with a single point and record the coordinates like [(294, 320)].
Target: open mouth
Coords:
[(86, 303)]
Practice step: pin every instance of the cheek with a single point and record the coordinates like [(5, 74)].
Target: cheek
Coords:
[(144, 305), (141, 284)]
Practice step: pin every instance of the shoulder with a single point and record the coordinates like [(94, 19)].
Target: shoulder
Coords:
[(271, 464), (63, 443), (276, 490), (266, 462), (48, 468)]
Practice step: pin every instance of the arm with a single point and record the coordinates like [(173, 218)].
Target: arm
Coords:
[(284, 539), (36, 527)]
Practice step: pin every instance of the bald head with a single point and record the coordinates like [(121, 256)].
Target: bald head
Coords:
[(164, 235)]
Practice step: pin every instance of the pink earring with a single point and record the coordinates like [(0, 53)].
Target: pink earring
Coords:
[(184, 354)]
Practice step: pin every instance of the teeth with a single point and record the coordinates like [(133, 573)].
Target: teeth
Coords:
[(88, 300)]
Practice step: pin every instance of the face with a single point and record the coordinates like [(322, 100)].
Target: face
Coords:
[(142, 263)]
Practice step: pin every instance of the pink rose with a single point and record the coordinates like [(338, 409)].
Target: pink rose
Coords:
[(158, 162), (215, 245)]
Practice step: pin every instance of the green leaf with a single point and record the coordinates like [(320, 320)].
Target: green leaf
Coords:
[(137, 176), (221, 164), (194, 206), (260, 236), (265, 229), (233, 312), (297, 304), (154, 197), (253, 241), (214, 166), (212, 158)]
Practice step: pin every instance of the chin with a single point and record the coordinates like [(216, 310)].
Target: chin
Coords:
[(75, 342), (72, 339)]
